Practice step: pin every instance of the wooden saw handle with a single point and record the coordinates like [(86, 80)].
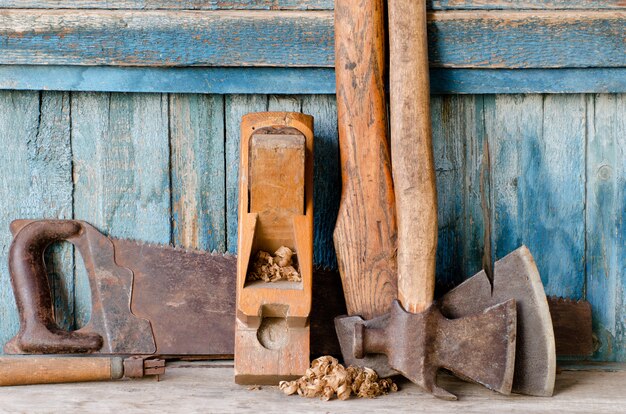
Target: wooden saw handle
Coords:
[(412, 153), (55, 370), (365, 233)]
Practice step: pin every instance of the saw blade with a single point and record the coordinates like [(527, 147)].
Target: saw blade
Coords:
[(573, 331), (187, 295)]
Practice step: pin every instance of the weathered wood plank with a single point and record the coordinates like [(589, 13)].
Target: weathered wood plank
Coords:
[(238, 80), (171, 4), (525, 4), (326, 176), (236, 106), (515, 81), (606, 223), (53, 178), (192, 387), (198, 171), (301, 4), (37, 183), (458, 147), (287, 103), (299, 80), (162, 38), (538, 156), (539, 39), (458, 39), (121, 171)]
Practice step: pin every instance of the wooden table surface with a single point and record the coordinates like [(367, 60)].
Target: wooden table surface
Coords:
[(208, 387)]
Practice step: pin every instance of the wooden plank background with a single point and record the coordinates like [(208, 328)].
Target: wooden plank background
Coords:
[(301, 4), (545, 170), (495, 39)]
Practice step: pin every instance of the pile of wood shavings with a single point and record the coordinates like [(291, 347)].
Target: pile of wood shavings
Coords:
[(328, 377), (272, 268)]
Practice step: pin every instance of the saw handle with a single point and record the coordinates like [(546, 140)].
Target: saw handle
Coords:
[(412, 154), (38, 329)]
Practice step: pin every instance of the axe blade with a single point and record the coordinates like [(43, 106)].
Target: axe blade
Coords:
[(479, 347), (515, 277)]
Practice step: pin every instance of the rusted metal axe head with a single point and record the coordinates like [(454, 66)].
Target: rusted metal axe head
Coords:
[(477, 351), (480, 347)]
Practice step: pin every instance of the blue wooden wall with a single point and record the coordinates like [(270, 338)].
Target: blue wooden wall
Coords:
[(163, 168), (523, 166)]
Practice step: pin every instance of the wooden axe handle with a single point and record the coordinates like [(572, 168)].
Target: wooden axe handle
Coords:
[(365, 233), (412, 153)]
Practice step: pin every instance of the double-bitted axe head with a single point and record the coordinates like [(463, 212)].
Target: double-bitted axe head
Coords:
[(478, 342), (480, 347)]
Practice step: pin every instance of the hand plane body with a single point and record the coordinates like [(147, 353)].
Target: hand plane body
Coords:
[(275, 212)]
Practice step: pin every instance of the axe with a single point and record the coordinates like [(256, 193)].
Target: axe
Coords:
[(483, 347)]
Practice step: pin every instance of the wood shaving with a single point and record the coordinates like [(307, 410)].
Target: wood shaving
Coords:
[(272, 268), (327, 378)]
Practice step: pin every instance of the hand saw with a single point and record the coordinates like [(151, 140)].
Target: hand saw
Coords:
[(145, 299), (160, 300)]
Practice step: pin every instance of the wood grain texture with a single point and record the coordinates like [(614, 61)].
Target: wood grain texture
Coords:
[(198, 174), (366, 232), (236, 106), (302, 4), (194, 386), (53, 370), (515, 81), (121, 171), (457, 39), (413, 163), (171, 4), (525, 4), (458, 142), (235, 80), (498, 39), (537, 151), (326, 176), (299, 80), (272, 340), (36, 183), (161, 38), (606, 223)]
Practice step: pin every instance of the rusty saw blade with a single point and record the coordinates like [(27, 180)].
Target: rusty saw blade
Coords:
[(188, 296)]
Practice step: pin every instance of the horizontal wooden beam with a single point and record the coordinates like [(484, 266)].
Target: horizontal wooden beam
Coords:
[(525, 4), (458, 39), (302, 4), (298, 80), (170, 4)]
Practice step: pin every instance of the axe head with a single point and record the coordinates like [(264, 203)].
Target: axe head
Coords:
[(515, 277), (480, 347)]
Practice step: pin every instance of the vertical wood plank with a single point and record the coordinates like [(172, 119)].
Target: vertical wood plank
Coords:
[(198, 171), (538, 153), (287, 103), (458, 147), (36, 172), (53, 180), (606, 225), (555, 182), (236, 106), (121, 171), (326, 176)]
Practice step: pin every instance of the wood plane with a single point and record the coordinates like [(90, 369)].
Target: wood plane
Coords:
[(272, 337)]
